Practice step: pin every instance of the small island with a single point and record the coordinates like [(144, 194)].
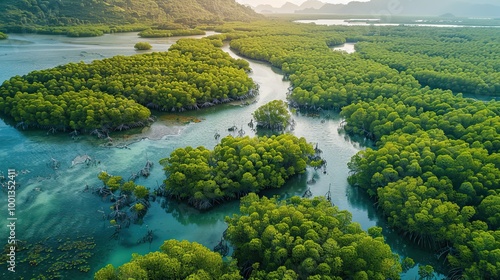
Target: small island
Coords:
[(143, 46), (273, 115), (118, 93), (235, 167), (3, 36)]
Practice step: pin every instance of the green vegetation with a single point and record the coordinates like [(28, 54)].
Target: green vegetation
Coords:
[(112, 93), (130, 201), (143, 46), (464, 61), (273, 115), (235, 167), (150, 33), (55, 15), (3, 36), (306, 239), (294, 239), (83, 30), (435, 170), (175, 260), (53, 257)]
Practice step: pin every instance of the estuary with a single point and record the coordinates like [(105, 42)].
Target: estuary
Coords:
[(56, 213)]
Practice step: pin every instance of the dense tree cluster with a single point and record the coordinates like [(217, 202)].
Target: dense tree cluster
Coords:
[(155, 33), (463, 60), (87, 30), (472, 121), (294, 239), (273, 115), (113, 92), (450, 170), (84, 109), (435, 170), (235, 167), (277, 41), (3, 36), (84, 31), (320, 77), (143, 46), (306, 239), (433, 186), (175, 260)]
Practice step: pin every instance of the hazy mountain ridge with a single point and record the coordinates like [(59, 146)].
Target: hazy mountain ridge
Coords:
[(466, 8), (289, 7), (69, 12), (423, 7)]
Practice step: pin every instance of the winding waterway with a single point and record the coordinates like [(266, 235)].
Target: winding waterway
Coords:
[(52, 204)]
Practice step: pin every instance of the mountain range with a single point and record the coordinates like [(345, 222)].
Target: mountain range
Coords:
[(69, 12), (461, 8), (289, 8)]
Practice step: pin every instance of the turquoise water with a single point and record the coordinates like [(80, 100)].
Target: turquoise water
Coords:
[(52, 204)]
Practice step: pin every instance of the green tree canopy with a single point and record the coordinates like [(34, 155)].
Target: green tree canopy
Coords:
[(273, 115), (306, 239), (175, 260), (116, 93), (235, 167), (143, 46), (434, 170)]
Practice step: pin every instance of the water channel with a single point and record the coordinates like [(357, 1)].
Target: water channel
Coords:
[(52, 204)]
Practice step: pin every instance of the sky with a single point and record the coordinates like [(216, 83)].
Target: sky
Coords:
[(279, 3)]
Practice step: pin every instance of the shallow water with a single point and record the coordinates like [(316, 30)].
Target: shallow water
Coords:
[(347, 47), (52, 204)]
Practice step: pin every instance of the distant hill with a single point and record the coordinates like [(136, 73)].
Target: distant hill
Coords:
[(461, 8), (70, 12), (288, 7)]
